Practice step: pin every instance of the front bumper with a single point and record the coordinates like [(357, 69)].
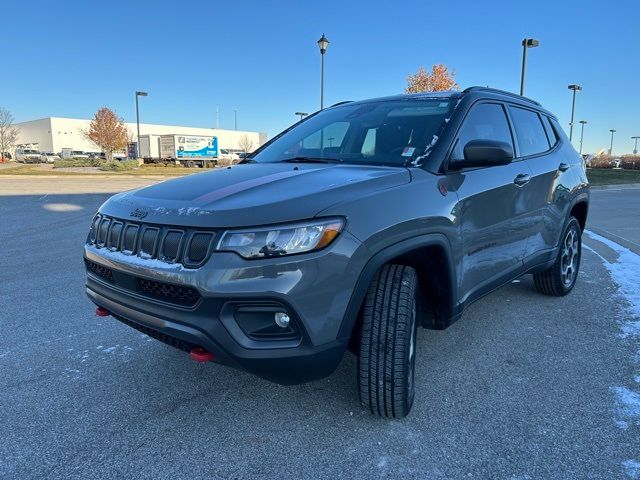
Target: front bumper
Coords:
[(315, 288)]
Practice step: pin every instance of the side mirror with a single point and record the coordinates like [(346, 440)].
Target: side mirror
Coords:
[(484, 153)]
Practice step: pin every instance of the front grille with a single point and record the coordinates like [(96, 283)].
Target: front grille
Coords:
[(199, 247), (171, 245), (168, 292), (164, 338), (100, 270), (148, 242), (129, 238), (187, 246)]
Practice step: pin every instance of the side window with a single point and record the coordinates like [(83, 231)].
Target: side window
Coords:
[(551, 135), (530, 133), (486, 121), (560, 133), (369, 144)]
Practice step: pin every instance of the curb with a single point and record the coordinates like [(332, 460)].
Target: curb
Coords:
[(622, 186)]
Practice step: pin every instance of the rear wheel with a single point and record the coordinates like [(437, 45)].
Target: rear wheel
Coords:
[(386, 361), (561, 277)]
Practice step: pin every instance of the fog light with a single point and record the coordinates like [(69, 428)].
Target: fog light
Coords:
[(282, 319)]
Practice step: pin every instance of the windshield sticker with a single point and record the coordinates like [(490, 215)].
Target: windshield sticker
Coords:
[(408, 151)]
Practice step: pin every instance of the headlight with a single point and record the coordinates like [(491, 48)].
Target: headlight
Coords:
[(281, 240)]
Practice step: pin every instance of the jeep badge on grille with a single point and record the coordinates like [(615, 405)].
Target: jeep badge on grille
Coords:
[(137, 213)]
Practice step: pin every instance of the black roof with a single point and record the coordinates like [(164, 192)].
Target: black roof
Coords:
[(483, 92)]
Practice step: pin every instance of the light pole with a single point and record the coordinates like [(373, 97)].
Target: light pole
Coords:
[(138, 94), (302, 114), (235, 118), (611, 146), (635, 148), (323, 43), (583, 123), (575, 89), (526, 43)]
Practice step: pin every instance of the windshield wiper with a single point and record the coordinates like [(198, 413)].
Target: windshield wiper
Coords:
[(310, 160)]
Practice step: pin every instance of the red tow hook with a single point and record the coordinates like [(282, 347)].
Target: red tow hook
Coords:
[(102, 312), (201, 355)]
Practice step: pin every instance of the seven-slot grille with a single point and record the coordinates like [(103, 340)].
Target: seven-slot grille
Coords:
[(190, 247)]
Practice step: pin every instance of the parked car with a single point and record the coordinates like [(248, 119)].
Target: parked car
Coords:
[(228, 155), (27, 155), (48, 157), (349, 230), (79, 154)]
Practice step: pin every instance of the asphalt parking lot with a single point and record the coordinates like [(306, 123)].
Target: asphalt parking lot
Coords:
[(523, 387)]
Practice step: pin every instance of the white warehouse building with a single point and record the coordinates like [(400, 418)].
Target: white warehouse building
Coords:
[(52, 134)]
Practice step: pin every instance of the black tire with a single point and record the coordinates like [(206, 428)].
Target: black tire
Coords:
[(386, 361), (191, 164), (561, 277)]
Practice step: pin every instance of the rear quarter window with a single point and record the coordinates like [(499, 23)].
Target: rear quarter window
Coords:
[(551, 134), (530, 133)]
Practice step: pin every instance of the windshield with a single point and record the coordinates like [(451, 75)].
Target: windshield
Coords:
[(29, 151), (393, 133)]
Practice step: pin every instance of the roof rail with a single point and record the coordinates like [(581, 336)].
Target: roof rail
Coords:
[(341, 103), (501, 92)]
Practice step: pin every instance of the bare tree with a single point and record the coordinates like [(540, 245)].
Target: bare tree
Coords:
[(245, 143), (8, 133), (107, 131)]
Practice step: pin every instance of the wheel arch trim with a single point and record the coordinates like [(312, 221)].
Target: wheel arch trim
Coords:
[(381, 258)]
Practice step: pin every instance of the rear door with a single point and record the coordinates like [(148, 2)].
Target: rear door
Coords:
[(537, 144), (492, 210)]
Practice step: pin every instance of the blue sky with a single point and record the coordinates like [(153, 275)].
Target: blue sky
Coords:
[(69, 58)]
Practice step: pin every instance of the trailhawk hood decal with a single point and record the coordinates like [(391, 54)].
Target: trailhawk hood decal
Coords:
[(252, 194)]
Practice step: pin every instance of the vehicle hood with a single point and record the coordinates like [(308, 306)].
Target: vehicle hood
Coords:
[(252, 194)]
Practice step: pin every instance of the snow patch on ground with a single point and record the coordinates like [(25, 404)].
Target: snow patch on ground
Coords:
[(632, 468), (626, 274), (627, 406)]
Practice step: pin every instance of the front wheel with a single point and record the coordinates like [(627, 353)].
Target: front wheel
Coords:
[(386, 361), (561, 277)]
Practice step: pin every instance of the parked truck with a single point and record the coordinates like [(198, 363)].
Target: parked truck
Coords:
[(149, 148), (190, 150)]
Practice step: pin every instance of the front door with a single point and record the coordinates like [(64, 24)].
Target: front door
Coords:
[(493, 212)]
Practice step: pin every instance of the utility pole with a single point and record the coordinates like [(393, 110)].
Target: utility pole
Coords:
[(582, 122), (526, 43), (575, 89), (611, 146)]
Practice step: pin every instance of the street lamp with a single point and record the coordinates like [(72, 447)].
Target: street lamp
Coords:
[(575, 88), (611, 146), (583, 123), (235, 118), (323, 43), (635, 148), (138, 94), (302, 114), (526, 43)]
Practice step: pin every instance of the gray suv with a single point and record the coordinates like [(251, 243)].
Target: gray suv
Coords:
[(347, 231)]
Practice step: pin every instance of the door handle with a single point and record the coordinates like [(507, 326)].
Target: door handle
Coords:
[(522, 179), (563, 167)]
